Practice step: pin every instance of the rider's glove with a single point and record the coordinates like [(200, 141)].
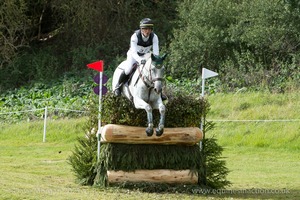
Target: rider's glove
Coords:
[(143, 62)]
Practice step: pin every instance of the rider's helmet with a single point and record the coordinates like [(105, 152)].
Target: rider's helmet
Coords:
[(146, 23)]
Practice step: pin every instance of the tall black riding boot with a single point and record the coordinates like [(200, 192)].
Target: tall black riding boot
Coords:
[(123, 78)]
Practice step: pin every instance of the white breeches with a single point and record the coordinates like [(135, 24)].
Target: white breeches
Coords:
[(129, 63)]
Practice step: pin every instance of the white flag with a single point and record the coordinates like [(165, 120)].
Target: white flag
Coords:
[(206, 73)]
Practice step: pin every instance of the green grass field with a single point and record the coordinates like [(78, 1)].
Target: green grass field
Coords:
[(263, 157)]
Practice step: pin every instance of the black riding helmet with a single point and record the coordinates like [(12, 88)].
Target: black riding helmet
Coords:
[(146, 23)]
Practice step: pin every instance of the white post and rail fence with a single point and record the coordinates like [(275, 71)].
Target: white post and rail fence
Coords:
[(46, 114)]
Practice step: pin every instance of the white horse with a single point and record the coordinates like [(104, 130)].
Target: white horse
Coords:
[(144, 89)]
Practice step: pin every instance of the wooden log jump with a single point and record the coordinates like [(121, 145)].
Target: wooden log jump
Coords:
[(153, 176), (112, 133)]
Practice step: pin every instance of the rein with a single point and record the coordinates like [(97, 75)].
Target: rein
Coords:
[(148, 80)]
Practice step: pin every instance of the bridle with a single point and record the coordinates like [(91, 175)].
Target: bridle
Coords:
[(148, 80)]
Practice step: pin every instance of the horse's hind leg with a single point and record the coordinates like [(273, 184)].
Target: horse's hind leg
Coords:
[(160, 129)]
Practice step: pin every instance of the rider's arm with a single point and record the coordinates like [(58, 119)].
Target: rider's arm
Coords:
[(155, 45), (134, 47)]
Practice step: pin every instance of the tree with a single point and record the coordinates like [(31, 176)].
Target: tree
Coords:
[(64, 35), (13, 27), (202, 39), (248, 42)]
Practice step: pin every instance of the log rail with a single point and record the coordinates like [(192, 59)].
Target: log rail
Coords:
[(153, 176), (112, 133)]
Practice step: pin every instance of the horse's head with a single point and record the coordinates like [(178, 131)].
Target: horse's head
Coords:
[(157, 71), (157, 61)]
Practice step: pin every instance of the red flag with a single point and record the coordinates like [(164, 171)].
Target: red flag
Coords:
[(96, 65)]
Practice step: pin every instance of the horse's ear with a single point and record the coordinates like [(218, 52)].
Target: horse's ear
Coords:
[(164, 56), (153, 57)]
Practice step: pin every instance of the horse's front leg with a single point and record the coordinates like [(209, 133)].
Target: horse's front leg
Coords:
[(160, 128), (141, 104), (149, 129)]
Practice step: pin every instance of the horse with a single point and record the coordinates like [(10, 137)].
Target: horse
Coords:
[(144, 89)]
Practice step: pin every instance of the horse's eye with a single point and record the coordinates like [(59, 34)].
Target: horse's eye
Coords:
[(158, 66)]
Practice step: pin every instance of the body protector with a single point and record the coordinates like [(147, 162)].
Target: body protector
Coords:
[(140, 45)]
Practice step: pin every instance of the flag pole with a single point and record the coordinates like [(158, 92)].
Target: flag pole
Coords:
[(206, 73), (99, 116), (98, 66), (202, 117), (203, 83)]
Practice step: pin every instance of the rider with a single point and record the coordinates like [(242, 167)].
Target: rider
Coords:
[(141, 42)]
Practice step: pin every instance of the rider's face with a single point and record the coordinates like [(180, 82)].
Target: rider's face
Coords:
[(146, 31)]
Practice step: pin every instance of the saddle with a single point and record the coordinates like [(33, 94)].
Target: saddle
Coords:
[(134, 67), (126, 84)]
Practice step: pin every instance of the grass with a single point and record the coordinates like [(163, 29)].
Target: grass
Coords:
[(263, 157), (257, 106), (260, 154), (267, 172)]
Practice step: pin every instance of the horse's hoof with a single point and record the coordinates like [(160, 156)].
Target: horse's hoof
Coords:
[(159, 132), (149, 132)]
